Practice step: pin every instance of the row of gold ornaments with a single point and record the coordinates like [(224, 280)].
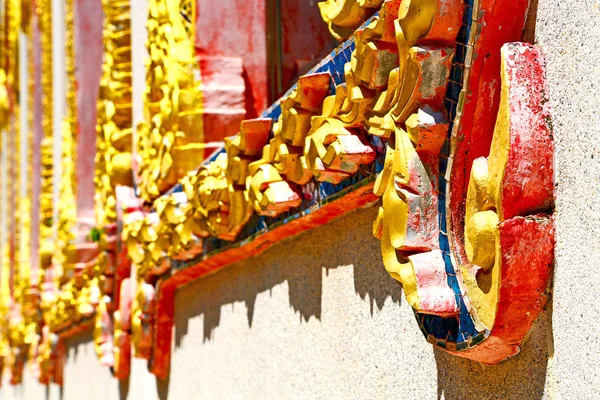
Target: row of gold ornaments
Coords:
[(173, 111), (16, 324), (57, 281), (318, 136), (19, 314), (113, 159), (113, 139), (63, 264), (168, 143), (46, 249)]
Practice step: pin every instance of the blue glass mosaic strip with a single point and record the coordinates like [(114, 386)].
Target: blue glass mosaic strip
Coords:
[(461, 331)]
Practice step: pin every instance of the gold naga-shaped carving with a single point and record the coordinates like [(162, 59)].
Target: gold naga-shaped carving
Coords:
[(344, 16), (114, 133), (408, 109), (169, 143)]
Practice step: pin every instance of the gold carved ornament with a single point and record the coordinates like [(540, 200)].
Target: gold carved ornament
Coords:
[(113, 163), (18, 304), (344, 16), (167, 147), (14, 295), (31, 297), (140, 237), (48, 292), (398, 84), (169, 142), (114, 134)]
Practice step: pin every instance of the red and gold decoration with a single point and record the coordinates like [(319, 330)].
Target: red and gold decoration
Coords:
[(396, 117)]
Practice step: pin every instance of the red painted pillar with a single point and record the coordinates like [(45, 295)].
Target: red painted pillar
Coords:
[(88, 70), (236, 28)]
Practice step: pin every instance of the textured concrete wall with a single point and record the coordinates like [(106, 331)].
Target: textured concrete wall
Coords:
[(317, 317), (313, 317), (569, 33)]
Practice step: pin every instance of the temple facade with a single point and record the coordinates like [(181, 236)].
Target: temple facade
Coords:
[(299, 199)]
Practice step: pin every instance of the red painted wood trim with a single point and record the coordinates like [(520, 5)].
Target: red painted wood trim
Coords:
[(526, 271), (502, 22), (527, 232)]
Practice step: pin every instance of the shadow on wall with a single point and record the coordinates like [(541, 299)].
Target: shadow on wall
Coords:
[(519, 377), (324, 248), (243, 282)]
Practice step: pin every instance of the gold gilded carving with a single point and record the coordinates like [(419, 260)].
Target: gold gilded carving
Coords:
[(174, 235), (114, 134), (407, 109), (47, 248), (172, 140), (242, 150), (142, 319), (140, 235), (4, 110), (218, 209), (344, 16), (18, 301), (113, 168), (271, 186)]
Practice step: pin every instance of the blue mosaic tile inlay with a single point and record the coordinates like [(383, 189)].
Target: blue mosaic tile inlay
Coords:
[(454, 330)]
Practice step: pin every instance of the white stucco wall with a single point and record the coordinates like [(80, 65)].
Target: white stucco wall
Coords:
[(569, 33), (317, 317)]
